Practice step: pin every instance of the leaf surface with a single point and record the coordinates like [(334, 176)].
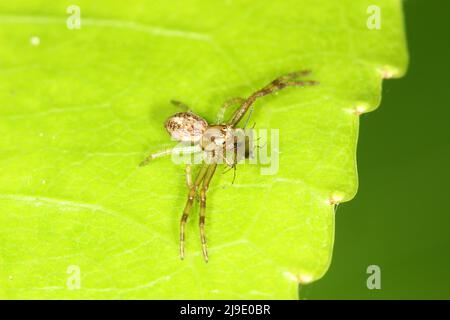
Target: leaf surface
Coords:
[(79, 109)]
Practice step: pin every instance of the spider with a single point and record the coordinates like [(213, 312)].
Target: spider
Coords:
[(214, 140)]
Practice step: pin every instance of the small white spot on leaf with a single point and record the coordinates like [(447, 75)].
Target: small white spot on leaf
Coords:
[(335, 198), (305, 278), (35, 41), (388, 72)]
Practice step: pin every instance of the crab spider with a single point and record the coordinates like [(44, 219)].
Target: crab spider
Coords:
[(215, 141)]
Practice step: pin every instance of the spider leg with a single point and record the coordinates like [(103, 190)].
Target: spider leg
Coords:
[(234, 174), (188, 172), (295, 74), (277, 84), (209, 174), (189, 203), (231, 166), (228, 169), (248, 117), (155, 155), (226, 105), (168, 152)]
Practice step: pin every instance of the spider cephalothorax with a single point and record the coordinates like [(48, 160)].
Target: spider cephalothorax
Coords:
[(216, 141)]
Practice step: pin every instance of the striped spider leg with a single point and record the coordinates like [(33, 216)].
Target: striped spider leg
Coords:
[(215, 140)]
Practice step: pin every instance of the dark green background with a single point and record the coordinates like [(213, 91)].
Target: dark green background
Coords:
[(400, 218)]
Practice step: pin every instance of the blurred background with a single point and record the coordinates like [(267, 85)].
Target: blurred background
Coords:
[(400, 219)]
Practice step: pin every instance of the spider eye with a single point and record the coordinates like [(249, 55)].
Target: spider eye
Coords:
[(186, 127)]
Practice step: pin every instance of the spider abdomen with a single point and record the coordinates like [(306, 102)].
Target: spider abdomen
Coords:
[(186, 127)]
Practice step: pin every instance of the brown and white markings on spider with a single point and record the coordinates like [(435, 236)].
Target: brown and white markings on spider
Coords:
[(214, 140)]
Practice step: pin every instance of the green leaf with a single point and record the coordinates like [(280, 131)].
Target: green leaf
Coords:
[(79, 109)]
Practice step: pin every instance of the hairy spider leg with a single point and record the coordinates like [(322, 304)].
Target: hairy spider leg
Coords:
[(277, 84), (229, 103), (208, 176), (293, 75), (188, 172), (226, 105), (234, 167), (170, 151), (189, 203)]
